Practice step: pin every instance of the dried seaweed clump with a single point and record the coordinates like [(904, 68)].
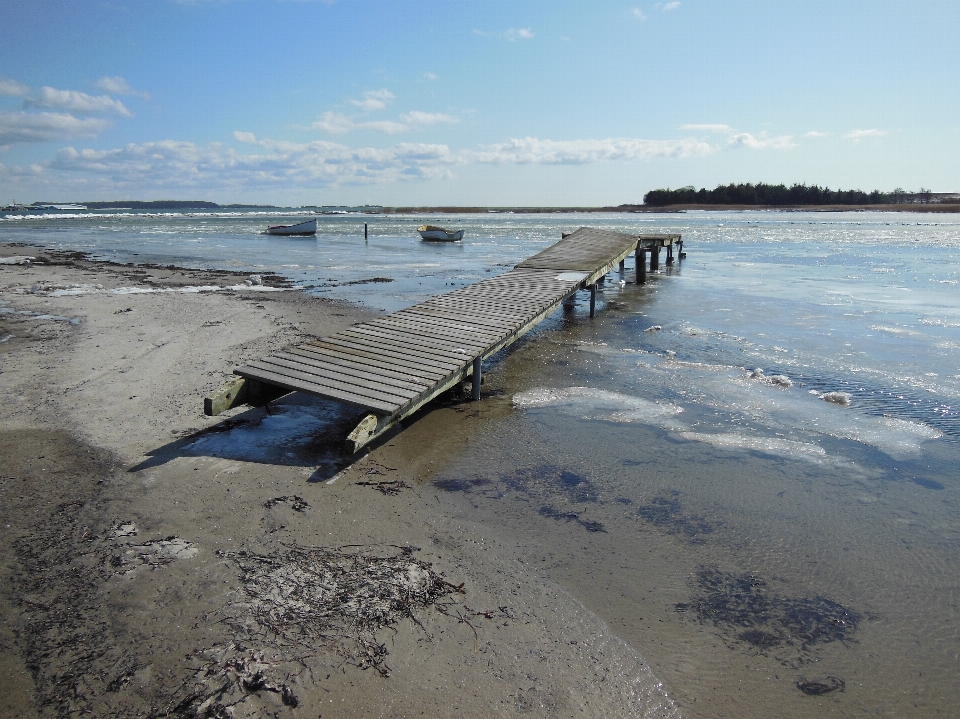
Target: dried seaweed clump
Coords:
[(333, 598)]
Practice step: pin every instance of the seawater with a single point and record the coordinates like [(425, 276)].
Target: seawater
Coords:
[(747, 467)]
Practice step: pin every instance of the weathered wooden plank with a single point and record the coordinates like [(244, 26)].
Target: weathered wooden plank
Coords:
[(294, 383), (493, 322), (400, 353), (424, 346), (361, 369), (450, 323), (365, 360), (433, 328), (367, 394), (362, 375)]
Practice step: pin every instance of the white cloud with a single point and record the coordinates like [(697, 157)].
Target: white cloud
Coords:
[(816, 134), (246, 137), (12, 87), (172, 164), (671, 5), (530, 150), (737, 139), (75, 101), (761, 142), (638, 13), (514, 34), (118, 86), (721, 129), (374, 99), (29, 127), (429, 76), (425, 119), (335, 123), (857, 135), (339, 124)]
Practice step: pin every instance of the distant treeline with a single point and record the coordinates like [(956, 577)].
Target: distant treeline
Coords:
[(772, 195)]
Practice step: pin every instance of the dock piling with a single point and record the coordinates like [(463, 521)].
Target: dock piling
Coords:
[(641, 265), (477, 362), (654, 258), (364, 230), (670, 254), (593, 299)]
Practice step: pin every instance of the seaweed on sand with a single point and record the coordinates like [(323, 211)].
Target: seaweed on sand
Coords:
[(742, 604), (306, 603), (666, 513), (318, 596)]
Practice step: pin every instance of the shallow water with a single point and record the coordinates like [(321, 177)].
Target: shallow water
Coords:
[(693, 485)]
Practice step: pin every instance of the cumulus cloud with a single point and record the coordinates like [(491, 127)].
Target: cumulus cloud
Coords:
[(737, 139), (338, 124), (667, 7), (29, 127), (638, 13), (857, 135), (12, 87), (530, 150), (761, 142), (514, 34), (75, 101), (275, 163), (425, 119), (816, 133), (374, 99), (118, 86)]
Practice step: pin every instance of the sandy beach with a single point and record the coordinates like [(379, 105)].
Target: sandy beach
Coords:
[(158, 562)]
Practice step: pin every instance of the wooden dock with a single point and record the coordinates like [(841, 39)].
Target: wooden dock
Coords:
[(394, 365)]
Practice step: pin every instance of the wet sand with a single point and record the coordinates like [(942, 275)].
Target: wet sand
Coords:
[(162, 563)]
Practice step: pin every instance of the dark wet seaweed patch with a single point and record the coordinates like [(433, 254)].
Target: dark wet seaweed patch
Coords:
[(821, 685), (668, 514), (927, 483), (743, 604), (553, 513), (575, 487), (461, 484)]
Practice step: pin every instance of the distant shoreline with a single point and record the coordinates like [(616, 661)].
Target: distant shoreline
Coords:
[(672, 209), (191, 206)]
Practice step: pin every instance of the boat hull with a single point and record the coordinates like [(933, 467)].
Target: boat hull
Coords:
[(441, 235), (302, 228)]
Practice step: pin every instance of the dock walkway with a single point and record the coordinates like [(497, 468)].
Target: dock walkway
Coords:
[(394, 365)]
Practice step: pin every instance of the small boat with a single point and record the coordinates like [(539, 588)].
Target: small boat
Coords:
[(301, 228), (432, 232)]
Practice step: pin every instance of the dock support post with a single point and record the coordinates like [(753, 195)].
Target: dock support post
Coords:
[(621, 267), (654, 257), (477, 362), (364, 230), (670, 254), (593, 300), (641, 265)]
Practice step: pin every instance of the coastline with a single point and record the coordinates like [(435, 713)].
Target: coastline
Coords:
[(129, 518)]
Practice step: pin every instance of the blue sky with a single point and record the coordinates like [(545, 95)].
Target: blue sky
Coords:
[(472, 103)]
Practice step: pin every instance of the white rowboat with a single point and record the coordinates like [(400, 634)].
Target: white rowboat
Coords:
[(302, 228), (432, 232)]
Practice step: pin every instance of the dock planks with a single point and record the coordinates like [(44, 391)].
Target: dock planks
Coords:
[(395, 364)]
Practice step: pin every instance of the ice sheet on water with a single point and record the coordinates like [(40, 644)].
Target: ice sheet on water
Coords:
[(277, 436), (600, 404)]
